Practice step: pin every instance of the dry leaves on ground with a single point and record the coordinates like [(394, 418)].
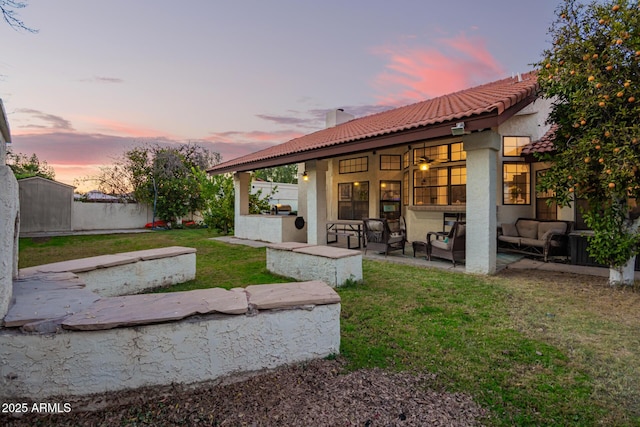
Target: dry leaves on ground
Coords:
[(316, 393)]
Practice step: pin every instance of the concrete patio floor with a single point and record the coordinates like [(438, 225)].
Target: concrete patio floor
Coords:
[(503, 260)]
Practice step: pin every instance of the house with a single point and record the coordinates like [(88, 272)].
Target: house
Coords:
[(458, 153)]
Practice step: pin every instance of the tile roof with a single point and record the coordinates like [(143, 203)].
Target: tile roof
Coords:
[(543, 145), (488, 99)]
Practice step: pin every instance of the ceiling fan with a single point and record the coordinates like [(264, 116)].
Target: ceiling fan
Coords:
[(424, 162)]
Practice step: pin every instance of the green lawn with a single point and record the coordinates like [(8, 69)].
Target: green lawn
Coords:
[(534, 348)]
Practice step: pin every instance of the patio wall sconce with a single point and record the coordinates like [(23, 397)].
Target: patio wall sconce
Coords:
[(305, 177)]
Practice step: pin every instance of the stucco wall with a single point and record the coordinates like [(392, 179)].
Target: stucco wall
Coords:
[(189, 351), (110, 216), (269, 228), (9, 221)]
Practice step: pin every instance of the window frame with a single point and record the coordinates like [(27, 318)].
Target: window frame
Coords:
[(355, 166), (505, 196)]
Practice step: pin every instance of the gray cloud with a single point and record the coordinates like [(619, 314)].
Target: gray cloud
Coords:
[(51, 121), (102, 79)]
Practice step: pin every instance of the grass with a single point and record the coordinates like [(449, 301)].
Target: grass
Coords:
[(534, 349)]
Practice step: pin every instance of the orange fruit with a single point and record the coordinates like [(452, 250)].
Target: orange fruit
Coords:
[(571, 190), (615, 7), (612, 185), (619, 42), (609, 67), (591, 78), (598, 85), (602, 103), (597, 147), (601, 160), (620, 94), (631, 99), (587, 159)]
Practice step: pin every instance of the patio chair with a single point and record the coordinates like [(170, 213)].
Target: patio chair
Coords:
[(380, 237), (452, 247)]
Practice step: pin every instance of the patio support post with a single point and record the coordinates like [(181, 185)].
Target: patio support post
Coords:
[(317, 202), (241, 181), (481, 148)]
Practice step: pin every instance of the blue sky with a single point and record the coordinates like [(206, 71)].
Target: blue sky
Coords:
[(101, 76)]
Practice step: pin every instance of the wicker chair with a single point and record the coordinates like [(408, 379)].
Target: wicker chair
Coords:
[(452, 247), (381, 238)]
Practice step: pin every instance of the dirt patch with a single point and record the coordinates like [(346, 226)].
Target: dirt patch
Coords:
[(317, 393)]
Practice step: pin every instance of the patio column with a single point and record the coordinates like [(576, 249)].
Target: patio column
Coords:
[(481, 246), (317, 202), (241, 181)]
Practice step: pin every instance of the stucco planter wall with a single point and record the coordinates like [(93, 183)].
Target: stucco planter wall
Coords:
[(188, 351), (334, 266)]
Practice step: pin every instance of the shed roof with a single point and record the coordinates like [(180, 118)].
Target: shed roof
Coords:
[(480, 107)]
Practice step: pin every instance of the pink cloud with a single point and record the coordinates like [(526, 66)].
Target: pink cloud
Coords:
[(114, 127), (238, 137), (415, 74)]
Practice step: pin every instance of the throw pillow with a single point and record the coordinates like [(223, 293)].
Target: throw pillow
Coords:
[(510, 230)]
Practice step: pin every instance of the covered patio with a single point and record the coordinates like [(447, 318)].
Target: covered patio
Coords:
[(460, 153)]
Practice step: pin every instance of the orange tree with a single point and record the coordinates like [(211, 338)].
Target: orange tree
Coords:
[(592, 75)]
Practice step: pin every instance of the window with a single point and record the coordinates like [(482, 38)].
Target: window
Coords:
[(457, 152), (512, 145), (440, 185), (390, 162), (545, 206), (353, 200), (359, 164), (438, 153), (390, 199), (431, 187), (458, 185), (516, 183), (405, 188), (406, 159)]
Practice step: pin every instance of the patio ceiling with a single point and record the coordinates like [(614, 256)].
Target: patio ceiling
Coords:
[(481, 107)]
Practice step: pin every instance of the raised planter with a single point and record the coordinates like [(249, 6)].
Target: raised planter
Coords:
[(334, 266)]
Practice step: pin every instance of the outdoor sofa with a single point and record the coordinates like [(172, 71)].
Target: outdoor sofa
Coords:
[(536, 237)]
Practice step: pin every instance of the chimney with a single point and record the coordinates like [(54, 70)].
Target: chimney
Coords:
[(337, 117)]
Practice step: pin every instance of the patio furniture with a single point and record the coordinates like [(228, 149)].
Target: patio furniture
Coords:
[(345, 228), (536, 237), (384, 235), (452, 247)]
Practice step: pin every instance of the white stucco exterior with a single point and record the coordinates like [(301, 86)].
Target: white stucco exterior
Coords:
[(269, 228), (333, 266), (9, 219), (127, 273), (189, 351)]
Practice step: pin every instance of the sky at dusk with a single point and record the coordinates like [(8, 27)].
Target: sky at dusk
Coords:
[(100, 77)]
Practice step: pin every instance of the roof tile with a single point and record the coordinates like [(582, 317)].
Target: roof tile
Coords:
[(495, 97)]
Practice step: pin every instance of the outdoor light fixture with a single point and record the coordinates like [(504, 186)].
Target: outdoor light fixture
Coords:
[(305, 177), (424, 166), (458, 129)]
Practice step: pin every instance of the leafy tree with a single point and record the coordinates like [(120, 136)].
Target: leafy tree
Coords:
[(592, 75), (287, 174), (24, 166), (9, 8), (166, 177), (219, 201)]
